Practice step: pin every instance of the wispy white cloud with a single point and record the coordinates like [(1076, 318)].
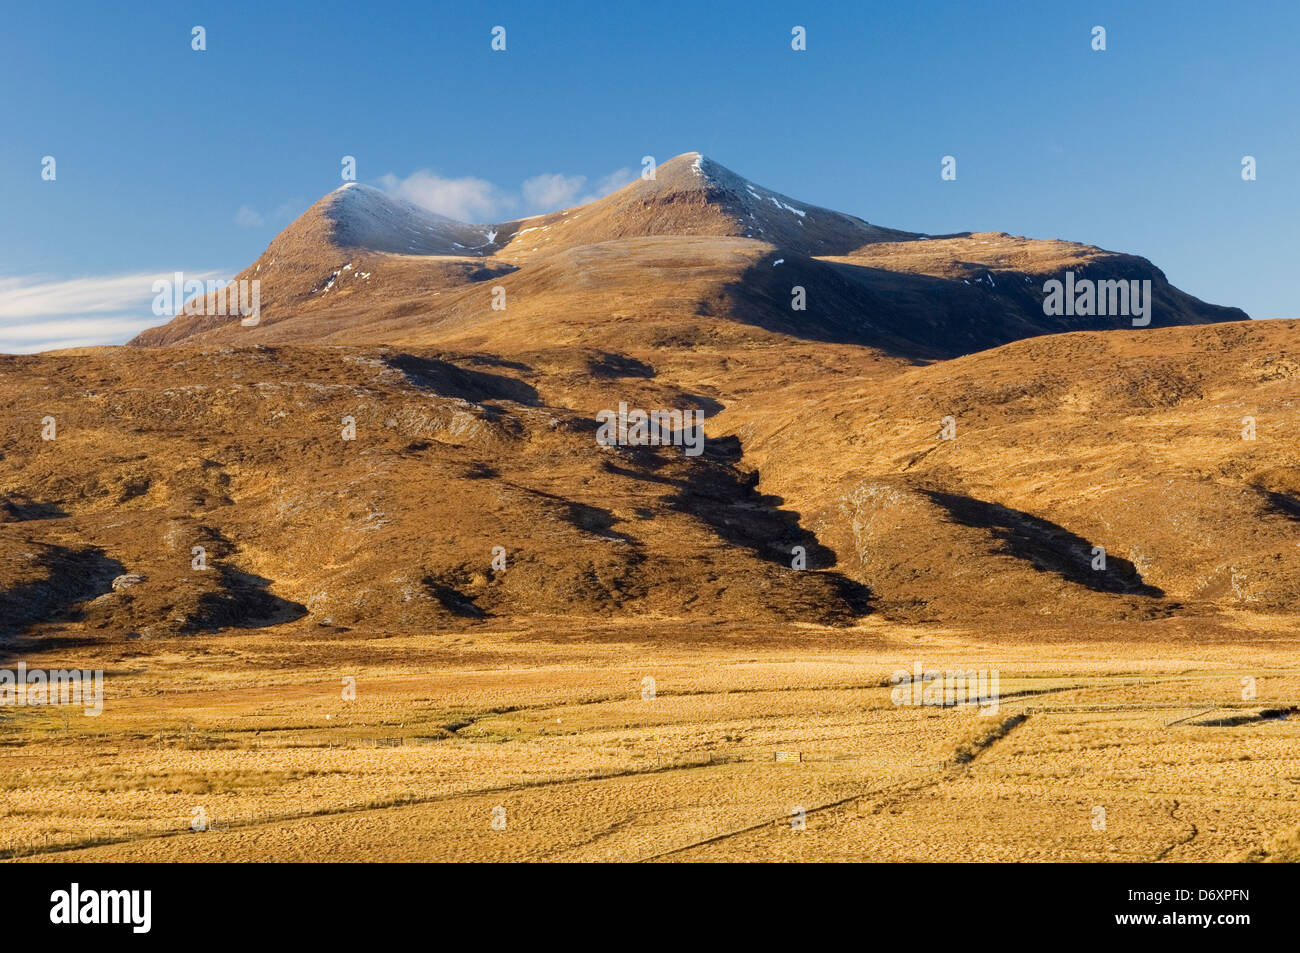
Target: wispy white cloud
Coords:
[(249, 217), (467, 199), (288, 211), (551, 190), (478, 200), (614, 181), (38, 313)]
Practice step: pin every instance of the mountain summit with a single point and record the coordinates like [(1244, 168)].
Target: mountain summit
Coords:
[(366, 218), (693, 195)]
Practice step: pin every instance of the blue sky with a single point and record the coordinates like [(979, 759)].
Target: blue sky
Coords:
[(170, 159)]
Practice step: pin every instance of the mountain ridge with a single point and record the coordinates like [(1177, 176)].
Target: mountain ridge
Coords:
[(358, 259)]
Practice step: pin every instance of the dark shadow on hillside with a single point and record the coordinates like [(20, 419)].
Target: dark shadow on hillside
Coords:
[(488, 272), (1047, 546), (591, 519), (914, 317), (492, 360), (608, 364), (706, 405), (1284, 503), (453, 600), (596, 519), (73, 576), (449, 380), (923, 317), (728, 500), (645, 474), (730, 503), (242, 602), (20, 509)]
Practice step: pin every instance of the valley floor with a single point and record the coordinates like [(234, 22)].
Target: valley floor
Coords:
[(650, 742)]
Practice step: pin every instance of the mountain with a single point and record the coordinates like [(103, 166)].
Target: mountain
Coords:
[(695, 254), (358, 461)]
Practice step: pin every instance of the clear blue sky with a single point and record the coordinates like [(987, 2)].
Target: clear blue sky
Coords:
[(1137, 148)]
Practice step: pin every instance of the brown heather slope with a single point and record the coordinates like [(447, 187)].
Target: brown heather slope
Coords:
[(1128, 440), (241, 452), (1131, 441)]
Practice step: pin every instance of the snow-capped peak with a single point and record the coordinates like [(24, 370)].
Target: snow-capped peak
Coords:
[(367, 217)]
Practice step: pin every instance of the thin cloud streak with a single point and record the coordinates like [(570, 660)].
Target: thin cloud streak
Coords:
[(38, 313)]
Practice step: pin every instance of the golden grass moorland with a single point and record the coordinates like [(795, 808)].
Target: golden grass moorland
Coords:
[(551, 745)]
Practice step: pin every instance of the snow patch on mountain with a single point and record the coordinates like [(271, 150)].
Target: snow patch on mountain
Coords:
[(365, 217)]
